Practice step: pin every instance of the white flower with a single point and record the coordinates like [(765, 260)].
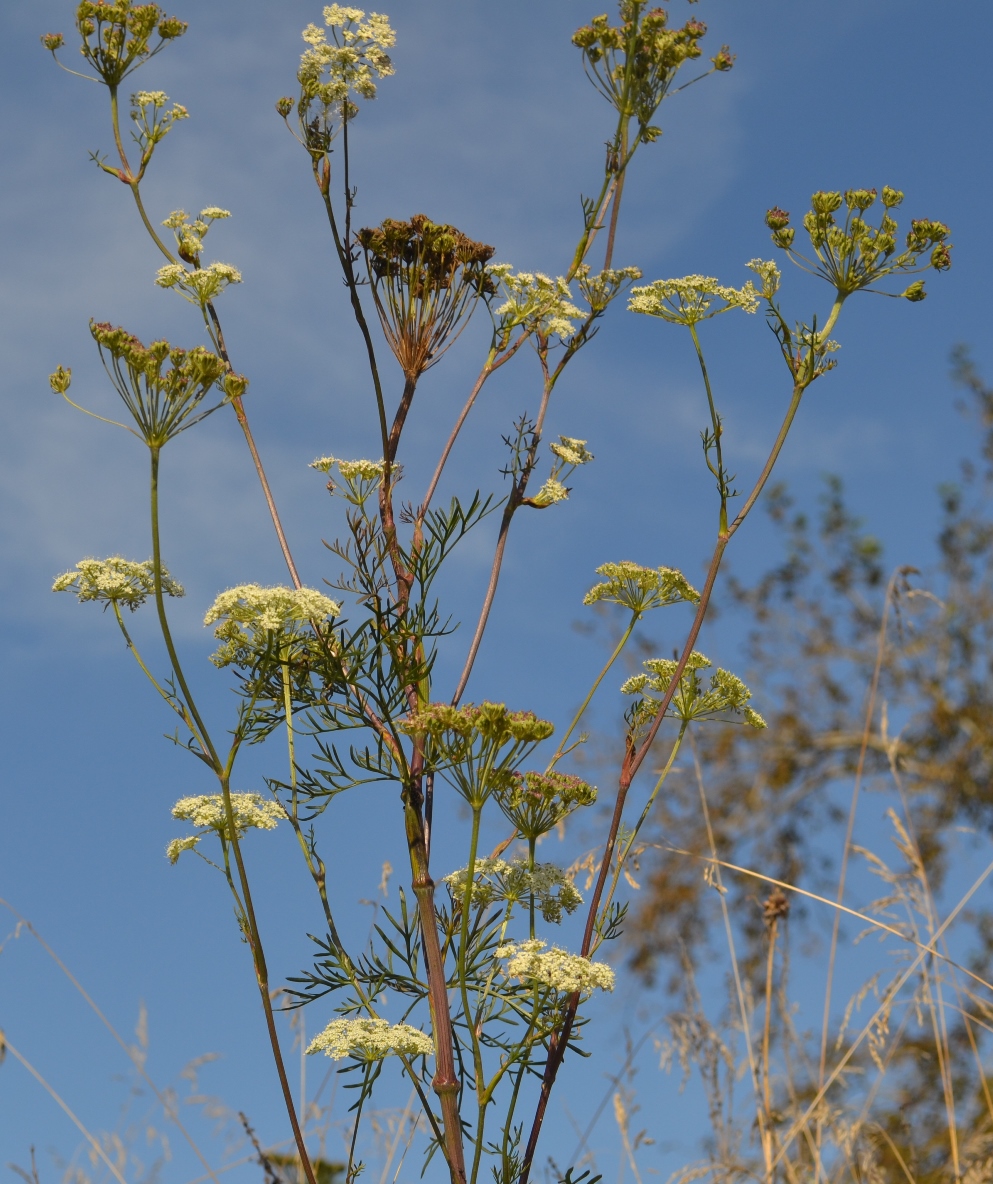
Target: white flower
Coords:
[(572, 451), (769, 274), (551, 492), (361, 476), (690, 299), (146, 98), (266, 612), (115, 580), (496, 880), (199, 285), (641, 588), (370, 1040), (555, 968), (251, 811), (214, 213), (535, 302)]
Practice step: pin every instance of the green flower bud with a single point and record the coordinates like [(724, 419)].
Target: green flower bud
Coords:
[(53, 41), (859, 199), (825, 202), (234, 385), (284, 106), (60, 380), (723, 60), (784, 238), (585, 37), (915, 292), (171, 28), (650, 134), (891, 197), (941, 259)]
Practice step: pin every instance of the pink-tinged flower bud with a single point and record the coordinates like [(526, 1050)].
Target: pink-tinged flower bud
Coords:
[(777, 219), (723, 60), (941, 258), (695, 28), (53, 41)]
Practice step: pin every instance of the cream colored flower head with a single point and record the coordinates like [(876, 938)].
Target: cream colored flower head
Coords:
[(726, 695), (206, 811), (691, 299), (370, 1040), (551, 492), (333, 72), (497, 881), (361, 477), (768, 273), (199, 284), (572, 451), (529, 961), (535, 302), (115, 581), (641, 588), (253, 619)]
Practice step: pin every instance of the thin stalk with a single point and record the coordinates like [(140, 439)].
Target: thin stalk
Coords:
[(766, 1033), (223, 775), (625, 637), (618, 194), (715, 421)]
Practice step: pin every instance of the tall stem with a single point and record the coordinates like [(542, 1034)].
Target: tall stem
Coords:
[(223, 775)]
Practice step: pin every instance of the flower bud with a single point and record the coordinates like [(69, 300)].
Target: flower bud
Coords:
[(60, 380), (53, 41), (777, 219), (584, 37), (235, 386), (723, 60), (171, 28), (650, 134), (915, 292), (825, 202), (784, 238), (891, 197), (284, 106), (941, 259), (859, 199)]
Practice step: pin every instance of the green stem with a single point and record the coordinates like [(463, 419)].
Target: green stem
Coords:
[(223, 775), (593, 690), (717, 429)]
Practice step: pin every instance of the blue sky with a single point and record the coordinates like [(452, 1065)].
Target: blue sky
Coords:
[(490, 124)]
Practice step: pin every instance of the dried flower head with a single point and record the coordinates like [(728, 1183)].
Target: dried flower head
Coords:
[(370, 1040), (426, 279), (555, 968), (163, 400), (255, 620), (641, 588), (115, 581), (691, 299)]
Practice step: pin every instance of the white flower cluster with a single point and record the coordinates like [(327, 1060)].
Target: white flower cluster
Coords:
[(551, 492), (691, 299), (641, 588), (496, 880), (206, 811), (535, 302), (768, 273), (331, 73), (266, 612), (200, 285), (153, 122), (115, 580), (370, 1040), (572, 451), (361, 476), (555, 968)]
